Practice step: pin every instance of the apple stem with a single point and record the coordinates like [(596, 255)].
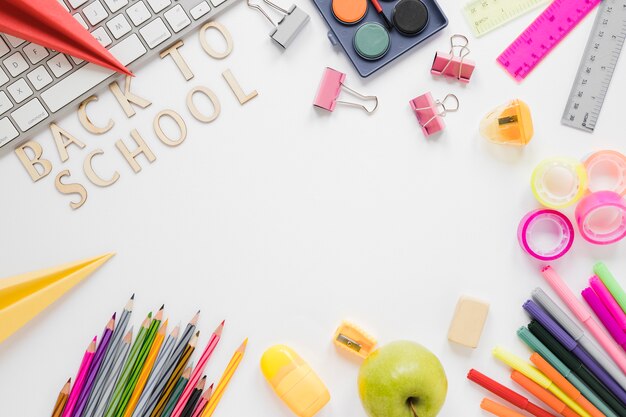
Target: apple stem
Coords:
[(412, 406)]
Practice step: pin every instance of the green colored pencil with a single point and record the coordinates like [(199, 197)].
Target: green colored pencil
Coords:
[(178, 390), (143, 354), (128, 367)]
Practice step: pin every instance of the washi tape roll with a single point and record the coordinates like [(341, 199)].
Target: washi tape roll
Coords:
[(559, 182), (601, 217), (545, 234), (606, 171)]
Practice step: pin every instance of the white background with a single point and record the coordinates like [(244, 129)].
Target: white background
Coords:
[(285, 220)]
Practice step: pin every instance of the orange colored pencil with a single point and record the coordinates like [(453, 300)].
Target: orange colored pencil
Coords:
[(64, 394), (498, 409), (224, 380), (147, 368), (565, 385), (543, 394)]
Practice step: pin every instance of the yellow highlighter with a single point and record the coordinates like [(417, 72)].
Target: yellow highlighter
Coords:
[(539, 378), (294, 381)]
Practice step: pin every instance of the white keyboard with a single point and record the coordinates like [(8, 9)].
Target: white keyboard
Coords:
[(38, 85)]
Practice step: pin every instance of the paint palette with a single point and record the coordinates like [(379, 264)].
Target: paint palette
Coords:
[(362, 33)]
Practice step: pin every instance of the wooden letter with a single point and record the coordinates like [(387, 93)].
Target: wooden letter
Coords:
[(30, 164), (225, 34), (194, 110), (63, 139), (91, 174), (127, 97), (178, 59), (234, 85), (181, 126), (142, 148), (73, 188), (86, 122)]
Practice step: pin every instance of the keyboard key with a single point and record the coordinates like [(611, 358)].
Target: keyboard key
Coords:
[(7, 131), (200, 10), (119, 26), (217, 2), (95, 13), (158, 5), (77, 61), (35, 53), (155, 32), (19, 90), (3, 78), (29, 114), (59, 65), (15, 42), (116, 5), (138, 13), (102, 36), (39, 77), (16, 64), (5, 103), (77, 3), (4, 49), (177, 18), (80, 20), (62, 3), (87, 77)]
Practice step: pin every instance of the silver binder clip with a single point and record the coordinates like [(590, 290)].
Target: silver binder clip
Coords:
[(289, 26)]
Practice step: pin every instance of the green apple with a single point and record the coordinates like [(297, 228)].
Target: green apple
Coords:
[(402, 379)]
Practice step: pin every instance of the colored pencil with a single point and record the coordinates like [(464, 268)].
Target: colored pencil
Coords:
[(62, 399), (204, 400), (116, 371), (169, 366), (139, 364), (197, 372), (153, 379), (225, 379), (178, 390), (536, 345), (543, 394), (95, 366), (133, 357), (498, 409), (173, 377), (564, 384), (194, 397), (80, 378), (507, 394), (147, 369), (110, 357)]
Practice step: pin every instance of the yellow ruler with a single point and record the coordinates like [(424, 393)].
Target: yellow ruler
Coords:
[(484, 16)]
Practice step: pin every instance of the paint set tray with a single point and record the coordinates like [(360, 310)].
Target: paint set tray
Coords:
[(399, 43)]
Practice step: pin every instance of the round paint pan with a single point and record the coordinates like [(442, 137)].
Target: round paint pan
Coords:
[(410, 17), (349, 12), (371, 41)]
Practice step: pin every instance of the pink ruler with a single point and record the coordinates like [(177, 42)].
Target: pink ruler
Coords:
[(536, 42)]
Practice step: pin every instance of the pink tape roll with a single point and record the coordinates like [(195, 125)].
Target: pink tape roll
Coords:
[(601, 217), (558, 221)]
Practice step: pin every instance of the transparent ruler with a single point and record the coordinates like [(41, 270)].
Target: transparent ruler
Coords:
[(484, 16), (596, 66)]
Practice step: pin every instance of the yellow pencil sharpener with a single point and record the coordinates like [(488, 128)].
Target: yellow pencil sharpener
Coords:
[(508, 124), (293, 380), (352, 339)]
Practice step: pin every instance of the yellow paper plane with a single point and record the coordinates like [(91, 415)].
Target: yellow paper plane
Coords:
[(24, 296)]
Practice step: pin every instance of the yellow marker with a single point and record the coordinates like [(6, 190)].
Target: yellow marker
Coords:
[(538, 377), (24, 296)]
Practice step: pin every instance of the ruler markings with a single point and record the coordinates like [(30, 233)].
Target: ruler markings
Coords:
[(484, 16)]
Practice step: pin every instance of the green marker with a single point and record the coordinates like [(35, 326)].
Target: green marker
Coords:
[(611, 283)]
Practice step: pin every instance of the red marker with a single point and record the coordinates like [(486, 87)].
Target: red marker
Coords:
[(507, 394)]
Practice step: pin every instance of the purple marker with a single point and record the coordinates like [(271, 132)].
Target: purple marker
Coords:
[(570, 344)]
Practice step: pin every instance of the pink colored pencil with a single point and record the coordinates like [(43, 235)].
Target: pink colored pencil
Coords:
[(80, 378), (202, 403), (609, 302), (197, 372)]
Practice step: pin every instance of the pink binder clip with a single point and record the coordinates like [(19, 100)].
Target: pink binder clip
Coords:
[(330, 88), (454, 66), (430, 112)]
